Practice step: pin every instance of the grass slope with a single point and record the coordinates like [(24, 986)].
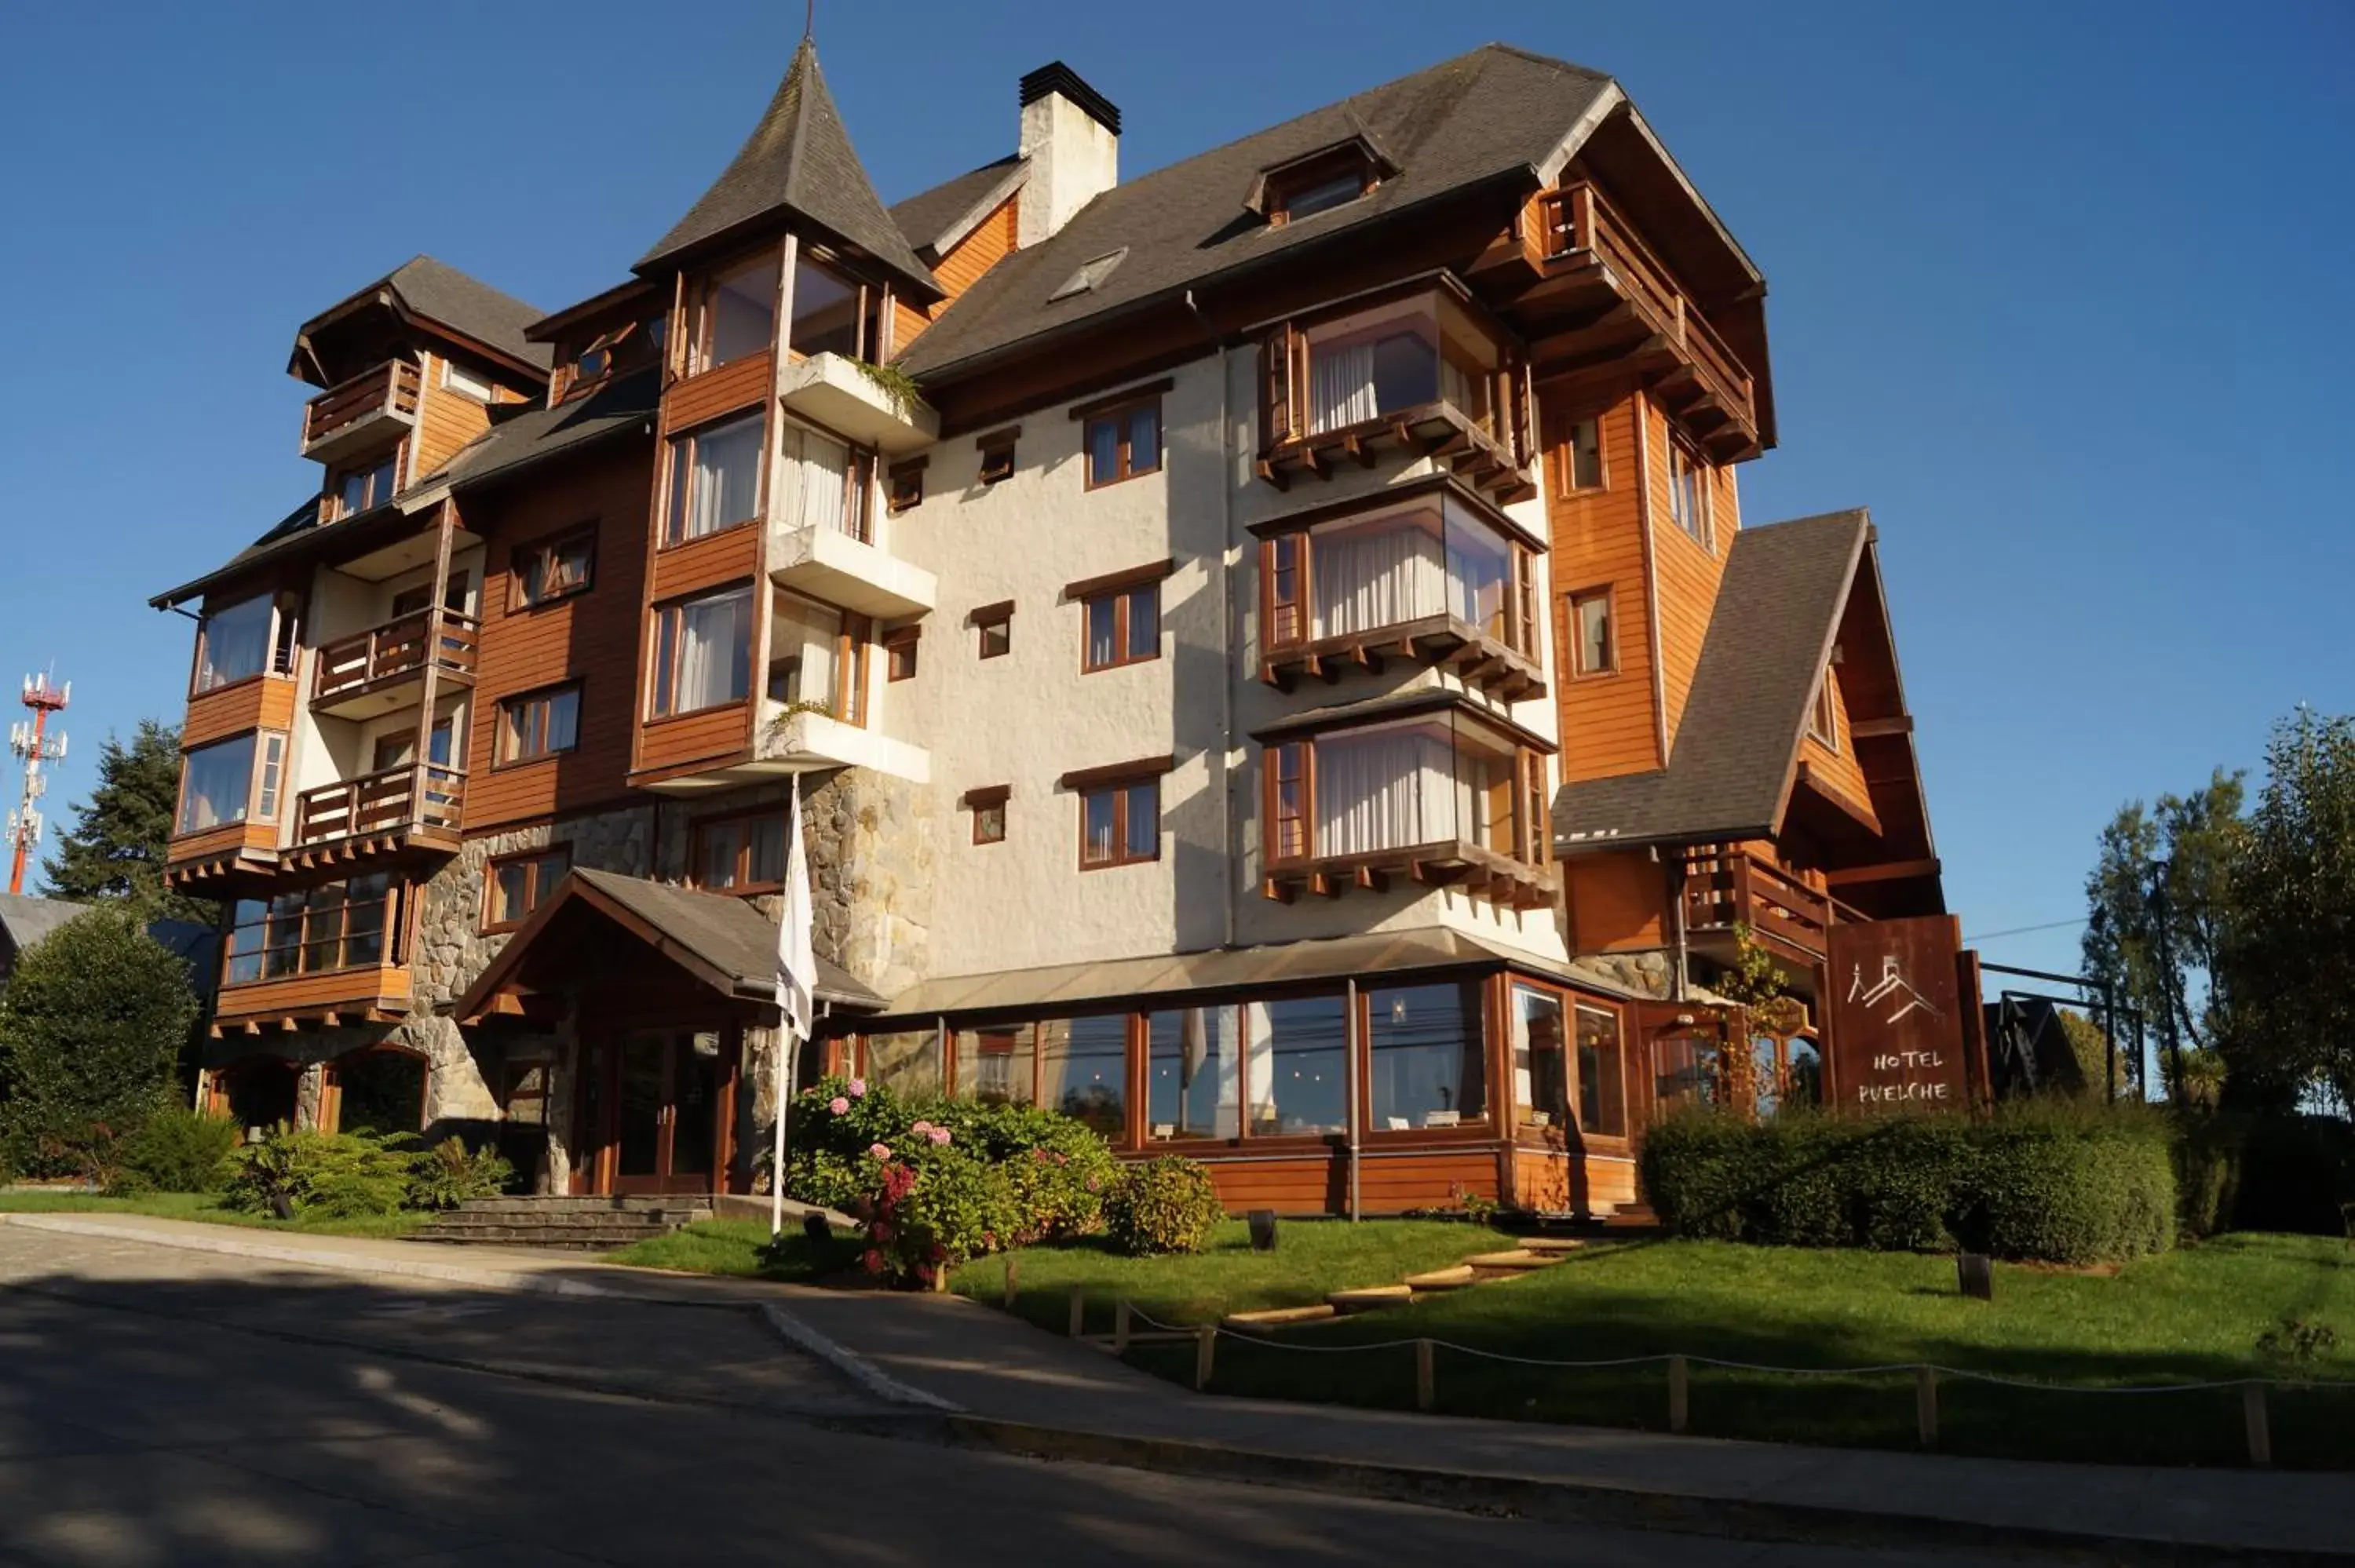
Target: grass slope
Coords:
[(205, 1207), (735, 1248)]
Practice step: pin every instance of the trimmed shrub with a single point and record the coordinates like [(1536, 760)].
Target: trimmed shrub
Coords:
[(2048, 1180), (449, 1173), (343, 1175), (934, 1205), (90, 1040), (178, 1150), (831, 1128), (1168, 1204)]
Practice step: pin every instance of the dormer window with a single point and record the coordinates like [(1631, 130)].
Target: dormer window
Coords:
[(1334, 190), (1331, 177)]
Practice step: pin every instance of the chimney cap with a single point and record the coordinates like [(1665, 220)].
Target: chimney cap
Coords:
[(1055, 77)]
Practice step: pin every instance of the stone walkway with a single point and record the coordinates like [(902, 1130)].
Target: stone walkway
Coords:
[(1021, 1389)]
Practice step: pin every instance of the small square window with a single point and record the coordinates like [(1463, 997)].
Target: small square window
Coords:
[(907, 486), (988, 808), (554, 568), (997, 457), (538, 724), (995, 627), (899, 654)]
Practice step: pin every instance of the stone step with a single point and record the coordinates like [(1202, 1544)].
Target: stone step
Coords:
[(1369, 1297), (536, 1235), (1555, 1244), (569, 1204), (1278, 1316), (1520, 1260), (610, 1224), (1454, 1278)]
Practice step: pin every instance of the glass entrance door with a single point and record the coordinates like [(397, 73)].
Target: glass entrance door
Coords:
[(667, 1104)]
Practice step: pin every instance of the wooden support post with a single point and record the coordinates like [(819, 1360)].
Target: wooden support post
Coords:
[(1925, 1405), (1206, 1347), (1079, 1312), (1680, 1392), (2253, 1414), (1013, 1269), (1425, 1389), (1120, 1327)]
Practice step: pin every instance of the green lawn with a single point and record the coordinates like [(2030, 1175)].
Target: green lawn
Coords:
[(735, 1247), (2191, 1315), (207, 1207)]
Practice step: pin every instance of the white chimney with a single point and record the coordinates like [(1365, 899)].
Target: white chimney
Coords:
[(1070, 134)]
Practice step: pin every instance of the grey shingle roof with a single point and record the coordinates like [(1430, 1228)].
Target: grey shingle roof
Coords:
[(1778, 610), (730, 934), (28, 920), (438, 293), (1489, 113), (928, 218), (798, 160)]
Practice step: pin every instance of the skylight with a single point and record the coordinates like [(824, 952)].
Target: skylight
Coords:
[(1090, 277)]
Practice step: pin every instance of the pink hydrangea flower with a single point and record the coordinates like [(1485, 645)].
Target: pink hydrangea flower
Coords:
[(879, 1150), (858, 1088), (923, 1127), (939, 1135), (838, 1105), (873, 1260)]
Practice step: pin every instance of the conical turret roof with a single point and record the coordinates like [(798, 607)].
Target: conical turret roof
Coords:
[(797, 163)]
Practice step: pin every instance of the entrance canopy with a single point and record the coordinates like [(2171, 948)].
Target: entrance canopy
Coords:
[(727, 944)]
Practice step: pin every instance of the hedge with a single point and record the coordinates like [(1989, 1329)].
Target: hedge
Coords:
[(2243, 1173), (2061, 1184)]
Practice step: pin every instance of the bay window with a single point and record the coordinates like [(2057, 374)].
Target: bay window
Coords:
[(241, 640), (1397, 785), (1380, 361), (738, 315), (831, 314), (216, 783), (715, 479), (1429, 557), (314, 930), (703, 653)]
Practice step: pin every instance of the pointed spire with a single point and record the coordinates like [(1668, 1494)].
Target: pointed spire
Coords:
[(797, 163)]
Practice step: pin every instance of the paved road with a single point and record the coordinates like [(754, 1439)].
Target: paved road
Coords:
[(153, 1411)]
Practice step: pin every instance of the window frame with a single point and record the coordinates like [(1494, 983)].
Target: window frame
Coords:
[(282, 647), (998, 461), (495, 918), (669, 620), (1523, 834), (980, 802), (1823, 713), (1482, 1125), (998, 618), (904, 488), (251, 739), (1566, 484), (1574, 631), (900, 649), (1124, 456), (1120, 783), (1124, 608), (500, 757), (368, 466), (745, 885), (1685, 464), (698, 356), (452, 372), (678, 456), (546, 547)]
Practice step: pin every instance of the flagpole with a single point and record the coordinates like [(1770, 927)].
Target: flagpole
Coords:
[(777, 1156), (796, 996)]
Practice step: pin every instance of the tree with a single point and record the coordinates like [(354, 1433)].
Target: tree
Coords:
[(2161, 905), (2289, 960), (90, 1034), (114, 852)]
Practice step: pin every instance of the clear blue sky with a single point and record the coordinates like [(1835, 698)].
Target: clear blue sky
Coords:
[(2064, 293)]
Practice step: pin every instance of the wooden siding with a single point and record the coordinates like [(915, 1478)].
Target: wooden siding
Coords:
[(1838, 767), (1607, 726), (1618, 901), (446, 422), (1389, 1183), (991, 242), (742, 384), (385, 989), (227, 840), (1688, 572), (1557, 1183), (265, 702), (728, 557), (591, 637), (710, 734)]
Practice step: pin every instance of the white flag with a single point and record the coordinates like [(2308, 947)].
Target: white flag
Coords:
[(796, 963)]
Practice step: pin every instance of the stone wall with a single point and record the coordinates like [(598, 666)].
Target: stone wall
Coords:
[(450, 949)]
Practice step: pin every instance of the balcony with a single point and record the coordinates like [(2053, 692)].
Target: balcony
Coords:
[(373, 672), (369, 409), (824, 560), (1424, 579), (835, 393), (416, 804), (1726, 886), (800, 739), (1421, 375), (1605, 296)]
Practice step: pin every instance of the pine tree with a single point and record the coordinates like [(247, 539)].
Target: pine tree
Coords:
[(114, 852)]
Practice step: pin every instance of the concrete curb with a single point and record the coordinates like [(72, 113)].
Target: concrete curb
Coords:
[(851, 1364), (1600, 1502), (234, 1246)]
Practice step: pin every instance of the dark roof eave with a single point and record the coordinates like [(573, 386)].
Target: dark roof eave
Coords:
[(777, 220)]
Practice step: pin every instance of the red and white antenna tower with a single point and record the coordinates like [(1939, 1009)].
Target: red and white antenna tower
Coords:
[(35, 745)]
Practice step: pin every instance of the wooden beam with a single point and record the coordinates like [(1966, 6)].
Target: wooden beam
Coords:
[(1865, 729), (1277, 890), (1373, 881), (1272, 474), (1887, 871)]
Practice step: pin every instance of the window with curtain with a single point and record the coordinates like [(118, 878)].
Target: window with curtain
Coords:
[(1425, 1066), (538, 724), (826, 309), (1601, 1091), (1295, 1076), (1376, 362), (1385, 570), (715, 479), (215, 782), (520, 883), (233, 643), (1540, 1083), (739, 312), (1479, 573), (805, 639), (1123, 443), (703, 656), (1386, 789), (1120, 824), (1084, 1071), (1123, 628), (1193, 1073), (738, 855)]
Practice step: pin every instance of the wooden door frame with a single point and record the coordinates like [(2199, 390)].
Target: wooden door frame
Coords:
[(602, 1176)]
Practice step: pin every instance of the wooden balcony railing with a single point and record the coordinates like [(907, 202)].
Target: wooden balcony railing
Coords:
[(399, 647), (391, 388), (413, 795), (1578, 220), (1726, 886)]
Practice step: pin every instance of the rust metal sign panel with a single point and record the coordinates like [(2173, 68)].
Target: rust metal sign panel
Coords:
[(1897, 1015)]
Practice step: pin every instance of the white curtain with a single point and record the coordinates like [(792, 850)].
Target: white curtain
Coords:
[(1340, 386), (1370, 577), (1388, 790), (814, 474), (726, 489), (714, 635), (237, 643), (1479, 569)]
